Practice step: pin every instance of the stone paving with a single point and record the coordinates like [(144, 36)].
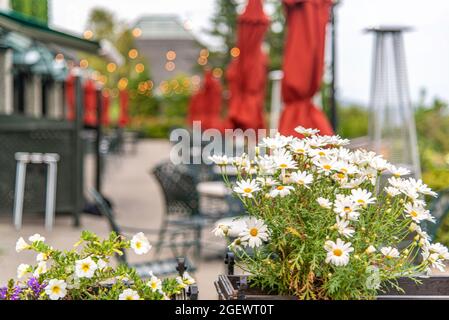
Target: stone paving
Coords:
[(138, 202)]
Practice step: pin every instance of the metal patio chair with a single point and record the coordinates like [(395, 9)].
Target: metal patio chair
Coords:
[(161, 267)]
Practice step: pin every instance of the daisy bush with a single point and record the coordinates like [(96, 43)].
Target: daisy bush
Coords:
[(323, 224), (86, 272)]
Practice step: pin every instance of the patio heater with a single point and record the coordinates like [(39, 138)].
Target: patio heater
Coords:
[(392, 130)]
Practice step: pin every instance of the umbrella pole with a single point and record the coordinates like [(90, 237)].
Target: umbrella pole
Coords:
[(333, 99)]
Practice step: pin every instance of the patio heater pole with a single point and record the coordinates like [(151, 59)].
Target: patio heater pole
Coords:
[(333, 98), (98, 164)]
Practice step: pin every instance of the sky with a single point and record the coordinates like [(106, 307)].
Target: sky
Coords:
[(427, 46)]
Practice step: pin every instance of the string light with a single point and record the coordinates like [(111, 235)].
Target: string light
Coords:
[(140, 68), (84, 63), (88, 34), (171, 55), (133, 53), (202, 61), (122, 83), (137, 32), (204, 53), (235, 52), (170, 66), (217, 72), (111, 67)]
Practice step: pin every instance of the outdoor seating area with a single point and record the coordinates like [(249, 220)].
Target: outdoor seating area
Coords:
[(222, 150)]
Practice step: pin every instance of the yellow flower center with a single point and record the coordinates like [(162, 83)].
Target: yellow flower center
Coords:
[(347, 209), (337, 252), (340, 175), (414, 214), (138, 244), (327, 167), (254, 232), (280, 188), (85, 267), (361, 201), (321, 153), (300, 151), (283, 166), (247, 190), (300, 181), (153, 284), (129, 298), (56, 290)]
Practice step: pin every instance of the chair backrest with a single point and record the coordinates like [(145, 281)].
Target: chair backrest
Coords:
[(179, 188), (439, 208), (105, 209)]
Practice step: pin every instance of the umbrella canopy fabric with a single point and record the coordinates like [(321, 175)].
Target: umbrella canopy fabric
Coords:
[(247, 74), (123, 119), (105, 106), (205, 105), (303, 65), (90, 103)]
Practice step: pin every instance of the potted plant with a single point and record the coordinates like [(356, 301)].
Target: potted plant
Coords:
[(320, 225), (85, 273)]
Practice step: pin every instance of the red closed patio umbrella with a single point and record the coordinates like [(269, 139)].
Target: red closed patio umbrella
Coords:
[(303, 65), (105, 118), (90, 103), (123, 119), (205, 105), (247, 73)]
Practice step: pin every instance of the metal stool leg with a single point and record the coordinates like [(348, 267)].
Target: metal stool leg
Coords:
[(22, 160), (50, 201)]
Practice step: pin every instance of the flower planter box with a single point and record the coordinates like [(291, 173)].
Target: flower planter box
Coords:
[(237, 287)]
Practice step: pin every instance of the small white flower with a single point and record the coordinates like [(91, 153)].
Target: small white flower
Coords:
[(21, 245), (346, 207), (185, 280), (325, 165), (267, 181), (140, 244), (370, 249), (256, 232), (343, 228), (418, 213), (389, 252), (246, 188), (220, 160), (398, 171), (101, 264), (129, 294), (338, 252), (379, 163), (306, 132), (56, 289), (302, 178), (154, 283), (85, 268), (362, 197), (42, 257), (422, 188), (221, 230), (22, 270), (283, 160), (392, 191), (276, 142), (281, 191), (40, 269), (299, 146), (324, 203), (36, 237)]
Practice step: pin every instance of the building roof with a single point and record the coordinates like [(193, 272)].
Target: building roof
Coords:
[(13, 21), (163, 27)]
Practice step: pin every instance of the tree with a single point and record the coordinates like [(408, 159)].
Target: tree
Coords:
[(37, 9)]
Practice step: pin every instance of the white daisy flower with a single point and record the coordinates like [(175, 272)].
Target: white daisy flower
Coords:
[(338, 252), (422, 187), (221, 230), (440, 249), (379, 163), (22, 270), (276, 142), (256, 232), (418, 213), (325, 165), (362, 197), (56, 289), (345, 207), (246, 188), (21, 245), (129, 294), (101, 264), (389, 252), (40, 269), (398, 171), (370, 249), (392, 191), (299, 146), (281, 191), (324, 203), (302, 178), (343, 228), (42, 256), (266, 165), (283, 160), (267, 181), (220, 160), (85, 268), (185, 280), (306, 132), (36, 237), (154, 283), (140, 244)]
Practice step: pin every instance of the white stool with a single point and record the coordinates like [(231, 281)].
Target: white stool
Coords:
[(51, 160)]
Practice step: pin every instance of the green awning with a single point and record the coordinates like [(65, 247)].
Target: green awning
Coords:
[(13, 21)]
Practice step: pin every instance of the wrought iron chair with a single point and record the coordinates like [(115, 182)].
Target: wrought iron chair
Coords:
[(162, 267)]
